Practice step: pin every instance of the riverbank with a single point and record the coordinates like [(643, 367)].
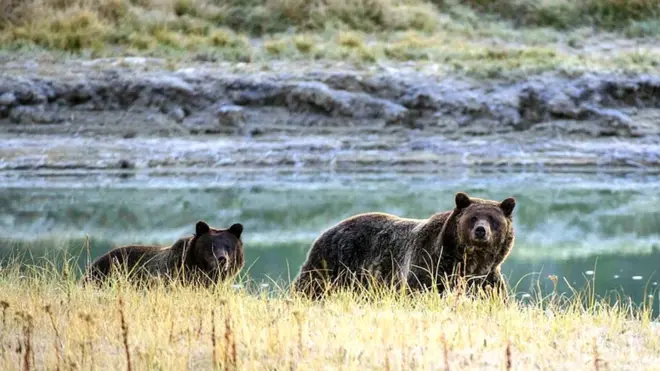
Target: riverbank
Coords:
[(136, 113)]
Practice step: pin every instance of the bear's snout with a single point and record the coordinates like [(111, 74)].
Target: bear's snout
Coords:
[(222, 259), (480, 232), (223, 262)]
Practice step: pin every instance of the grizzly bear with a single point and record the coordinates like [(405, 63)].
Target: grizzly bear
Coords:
[(209, 256), (470, 241)]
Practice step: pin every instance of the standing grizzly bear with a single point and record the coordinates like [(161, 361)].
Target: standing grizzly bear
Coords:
[(471, 240), (204, 258)]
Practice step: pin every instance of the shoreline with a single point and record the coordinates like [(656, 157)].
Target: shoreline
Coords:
[(86, 115)]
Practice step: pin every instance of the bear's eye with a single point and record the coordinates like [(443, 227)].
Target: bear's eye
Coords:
[(474, 219)]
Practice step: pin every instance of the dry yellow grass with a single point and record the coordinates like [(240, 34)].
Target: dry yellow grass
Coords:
[(50, 322)]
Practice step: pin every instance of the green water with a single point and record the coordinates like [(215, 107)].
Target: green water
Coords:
[(567, 224)]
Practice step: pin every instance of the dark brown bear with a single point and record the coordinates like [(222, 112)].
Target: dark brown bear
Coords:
[(209, 256), (471, 240)]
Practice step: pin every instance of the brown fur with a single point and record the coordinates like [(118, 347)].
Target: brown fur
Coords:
[(206, 257), (417, 253)]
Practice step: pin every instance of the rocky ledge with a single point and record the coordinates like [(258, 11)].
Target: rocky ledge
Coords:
[(388, 110)]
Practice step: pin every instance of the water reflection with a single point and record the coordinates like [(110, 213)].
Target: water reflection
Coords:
[(578, 227)]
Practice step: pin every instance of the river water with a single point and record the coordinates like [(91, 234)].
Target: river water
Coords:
[(579, 226)]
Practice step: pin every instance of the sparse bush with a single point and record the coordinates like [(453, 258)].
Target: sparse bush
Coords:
[(224, 38), (350, 40), (304, 44), (185, 7), (276, 47)]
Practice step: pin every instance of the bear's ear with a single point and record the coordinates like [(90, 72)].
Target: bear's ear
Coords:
[(236, 230), (201, 228), (462, 200), (508, 205)]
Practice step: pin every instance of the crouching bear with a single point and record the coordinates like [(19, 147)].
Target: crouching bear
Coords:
[(209, 256), (470, 241)]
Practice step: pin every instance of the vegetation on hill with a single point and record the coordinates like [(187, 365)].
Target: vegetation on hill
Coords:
[(508, 34)]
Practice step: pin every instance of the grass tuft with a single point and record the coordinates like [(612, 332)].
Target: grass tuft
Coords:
[(274, 328), (351, 40), (304, 43)]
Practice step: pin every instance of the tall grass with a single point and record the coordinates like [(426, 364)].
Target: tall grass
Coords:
[(54, 322)]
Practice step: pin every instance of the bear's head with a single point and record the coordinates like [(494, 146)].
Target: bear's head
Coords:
[(216, 252), (481, 228)]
